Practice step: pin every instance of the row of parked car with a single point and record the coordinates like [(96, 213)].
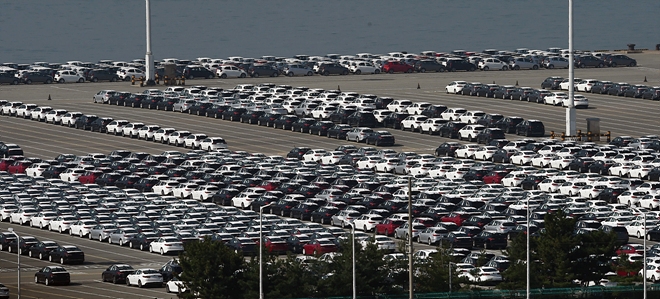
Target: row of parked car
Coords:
[(596, 86)]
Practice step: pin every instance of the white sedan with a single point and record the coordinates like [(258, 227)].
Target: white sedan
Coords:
[(585, 85), (62, 223), (81, 228), (367, 222), (175, 285), (213, 143), (184, 190), (68, 76), (230, 71), (482, 274), (579, 101), (466, 151), (485, 152), (542, 160), (455, 86), (555, 98), (364, 67), (42, 219), (522, 157), (165, 245), (144, 277)]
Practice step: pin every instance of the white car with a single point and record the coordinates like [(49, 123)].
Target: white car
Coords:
[(331, 158), (513, 179), (127, 73), (161, 134), (314, 155), (650, 201), (550, 185), (165, 245), (184, 190), (621, 169), (144, 277), (457, 172), (147, 132), (640, 171), (175, 285), (485, 153), (431, 125), (176, 137), (387, 164), (323, 112), (230, 71), (555, 98), (452, 113), (585, 85), (55, 116), (364, 67), (421, 169), (367, 222), (39, 113), (470, 132), (522, 157), (417, 107), (413, 122), (82, 227), (103, 96), (555, 62), (114, 127), (399, 105), (466, 151), (244, 200), (561, 162), (298, 70), (572, 188), (213, 143), (203, 193), (482, 274), (523, 63), (36, 169), (382, 243), (631, 197), (542, 160), (194, 141), (25, 110), (579, 101), (164, 187), (636, 228), (62, 223), (368, 162), (131, 129), (565, 84), (72, 174), (471, 117), (68, 76), (381, 114), (492, 64), (455, 86), (42, 219)]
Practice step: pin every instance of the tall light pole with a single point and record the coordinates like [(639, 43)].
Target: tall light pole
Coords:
[(353, 245), (261, 249), (570, 108), (148, 58), (18, 254), (527, 290), (644, 265), (410, 242)]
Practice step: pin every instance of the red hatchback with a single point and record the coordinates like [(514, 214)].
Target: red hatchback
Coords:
[(495, 177), (455, 218), (5, 163), (19, 166), (318, 247), (388, 226), (90, 176), (397, 67)]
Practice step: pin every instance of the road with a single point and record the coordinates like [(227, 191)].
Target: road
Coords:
[(621, 116)]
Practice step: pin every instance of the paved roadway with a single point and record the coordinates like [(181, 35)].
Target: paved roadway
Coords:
[(621, 116)]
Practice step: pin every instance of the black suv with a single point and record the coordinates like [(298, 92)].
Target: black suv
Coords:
[(450, 129), (433, 111), (489, 134), (447, 149), (393, 120), (102, 75), (531, 128), (551, 83), (197, 71), (298, 152), (8, 77), (362, 119), (429, 65), (341, 115), (263, 70), (508, 124), (460, 65), (99, 124), (333, 68), (85, 122), (29, 77)]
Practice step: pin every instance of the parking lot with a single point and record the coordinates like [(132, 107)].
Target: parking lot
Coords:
[(634, 117)]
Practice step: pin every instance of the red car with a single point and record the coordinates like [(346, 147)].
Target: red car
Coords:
[(270, 185), (397, 67), (495, 177), (19, 166), (275, 244), (5, 163), (630, 249), (90, 176), (388, 226), (318, 247), (455, 217)]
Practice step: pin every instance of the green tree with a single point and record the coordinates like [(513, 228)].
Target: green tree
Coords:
[(282, 278), (557, 250), (211, 270), (432, 275), (593, 256)]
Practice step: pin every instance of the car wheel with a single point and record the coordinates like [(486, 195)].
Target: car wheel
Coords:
[(485, 68), (62, 260), (50, 258), (61, 81), (46, 282), (28, 81), (255, 75), (162, 252), (140, 284), (357, 72), (100, 238)]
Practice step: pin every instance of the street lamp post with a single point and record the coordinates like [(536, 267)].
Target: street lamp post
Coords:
[(527, 290), (148, 57), (18, 254), (353, 247), (261, 249), (644, 258)]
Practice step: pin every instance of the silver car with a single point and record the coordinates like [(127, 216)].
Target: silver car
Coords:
[(401, 232), (432, 235), (358, 134), (499, 226), (101, 231), (121, 236)]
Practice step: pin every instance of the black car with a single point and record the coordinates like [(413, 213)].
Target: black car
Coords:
[(170, 269), (117, 273), (486, 91), (489, 134), (651, 94), (67, 254), (285, 121), (5, 239), (610, 195), (327, 69), (338, 131), (393, 120), (22, 245), (447, 149), (118, 98), (460, 65), (323, 215), (502, 155), (142, 240), (489, 120), (264, 70), (504, 92), (151, 101), (42, 249), (233, 113), (618, 89), (197, 71), (621, 233), (8, 77), (581, 164), (588, 61), (243, 245), (601, 87), (252, 117), (620, 60), (429, 65), (537, 96), (521, 93), (167, 104), (362, 119), (508, 124), (29, 77), (551, 83), (431, 111), (85, 122), (297, 242), (340, 115), (450, 129), (302, 125), (99, 124), (216, 110), (298, 152), (531, 182), (97, 75), (268, 119), (471, 89), (489, 240), (382, 102), (303, 211), (51, 275), (134, 100), (379, 138), (283, 207), (635, 91), (321, 127), (531, 128)]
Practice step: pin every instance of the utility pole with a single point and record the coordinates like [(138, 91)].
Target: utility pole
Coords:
[(570, 108), (410, 242), (148, 58)]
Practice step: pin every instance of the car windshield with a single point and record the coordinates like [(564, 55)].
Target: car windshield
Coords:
[(57, 269), (124, 267)]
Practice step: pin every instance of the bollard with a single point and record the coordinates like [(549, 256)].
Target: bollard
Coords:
[(183, 80), (133, 80), (165, 81), (563, 136), (608, 134), (552, 134), (141, 81)]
